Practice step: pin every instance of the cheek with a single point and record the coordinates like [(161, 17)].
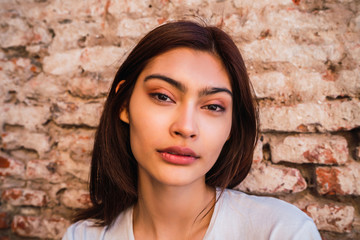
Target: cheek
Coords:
[(146, 121), (215, 134), (147, 126)]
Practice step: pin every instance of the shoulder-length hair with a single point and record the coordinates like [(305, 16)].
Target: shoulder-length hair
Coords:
[(113, 175)]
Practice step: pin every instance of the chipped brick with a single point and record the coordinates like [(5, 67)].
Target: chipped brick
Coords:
[(75, 198), (331, 217), (31, 117), (11, 167), (320, 149), (332, 116), (19, 33), (25, 197), (271, 179), (43, 88), (41, 169), (78, 113), (94, 59), (79, 143), (258, 152), (39, 142), (38, 226), (287, 88), (88, 86), (135, 28), (338, 180)]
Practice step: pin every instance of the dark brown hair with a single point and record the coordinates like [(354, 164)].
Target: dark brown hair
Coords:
[(113, 177)]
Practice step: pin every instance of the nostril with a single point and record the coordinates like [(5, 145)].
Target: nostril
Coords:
[(179, 133)]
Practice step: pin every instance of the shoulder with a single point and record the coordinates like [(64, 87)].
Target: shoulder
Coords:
[(85, 229), (275, 218), (260, 204)]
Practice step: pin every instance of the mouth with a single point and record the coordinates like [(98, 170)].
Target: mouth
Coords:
[(178, 155)]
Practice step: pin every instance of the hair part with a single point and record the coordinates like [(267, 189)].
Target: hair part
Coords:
[(113, 174)]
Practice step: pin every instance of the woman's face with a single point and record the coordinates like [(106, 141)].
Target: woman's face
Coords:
[(180, 116)]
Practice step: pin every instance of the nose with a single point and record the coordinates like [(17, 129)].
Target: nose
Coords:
[(185, 123)]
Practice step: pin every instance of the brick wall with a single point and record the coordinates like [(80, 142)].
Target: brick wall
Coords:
[(57, 60)]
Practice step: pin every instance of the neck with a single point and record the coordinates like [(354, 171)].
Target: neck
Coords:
[(168, 211)]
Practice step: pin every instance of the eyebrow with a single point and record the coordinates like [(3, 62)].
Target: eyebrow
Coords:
[(204, 92), (209, 91)]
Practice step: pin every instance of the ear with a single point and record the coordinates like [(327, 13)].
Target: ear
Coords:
[(124, 115), (118, 85)]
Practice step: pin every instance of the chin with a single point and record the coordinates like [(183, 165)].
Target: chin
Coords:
[(172, 175), (179, 179)]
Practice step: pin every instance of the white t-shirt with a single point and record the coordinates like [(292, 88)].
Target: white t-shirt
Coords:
[(236, 216)]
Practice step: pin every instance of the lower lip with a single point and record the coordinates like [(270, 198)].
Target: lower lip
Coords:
[(177, 159)]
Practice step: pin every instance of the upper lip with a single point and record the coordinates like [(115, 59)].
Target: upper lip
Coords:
[(177, 150)]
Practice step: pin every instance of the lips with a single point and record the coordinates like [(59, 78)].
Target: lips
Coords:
[(178, 155)]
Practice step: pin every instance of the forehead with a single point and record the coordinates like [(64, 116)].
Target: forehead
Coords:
[(189, 66)]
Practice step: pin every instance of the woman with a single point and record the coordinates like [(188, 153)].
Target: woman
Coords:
[(178, 130)]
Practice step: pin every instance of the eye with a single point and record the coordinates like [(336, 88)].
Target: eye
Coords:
[(161, 97), (214, 108)]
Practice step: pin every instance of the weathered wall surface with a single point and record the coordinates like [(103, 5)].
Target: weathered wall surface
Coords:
[(57, 60)]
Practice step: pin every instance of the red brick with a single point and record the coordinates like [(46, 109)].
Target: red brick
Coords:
[(311, 117), (78, 169), (25, 197), (4, 220), (31, 117), (77, 112), (11, 167), (72, 35), (42, 169), (298, 55), (270, 85), (39, 142), (75, 198), (78, 143), (4, 163), (135, 27), (338, 180), (41, 227), (9, 182), (260, 4), (11, 69), (92, 59), (331, 217), (43, 87), (285, 87), (57, 10), (91, 86), (19, 33), (133, 7), (304, 67), (313, 40), (264, 178), (321, 149), (258, 152)]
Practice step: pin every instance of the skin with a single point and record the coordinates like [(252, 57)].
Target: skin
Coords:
[(193, 110)]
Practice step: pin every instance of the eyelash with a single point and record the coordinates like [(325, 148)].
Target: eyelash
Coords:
[(219, 107), (158, 96)]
